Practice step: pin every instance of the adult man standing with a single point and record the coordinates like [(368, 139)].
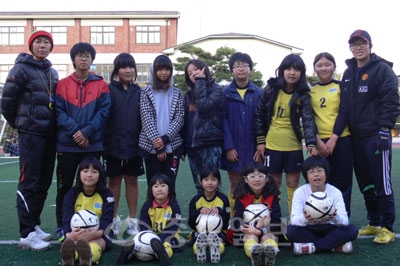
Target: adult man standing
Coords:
[(371, 89)]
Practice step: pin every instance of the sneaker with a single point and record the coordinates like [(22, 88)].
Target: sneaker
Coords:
[(84, 252), (384, 236), (158, 248), (303, 248), (33, 242), (257, 255), (214, 246), (126, 254), (345, 248), (42, 234), (369, 230), (132, 226), (201, 246), (270, 253), (116, 224), (60, 234), (68, 252)]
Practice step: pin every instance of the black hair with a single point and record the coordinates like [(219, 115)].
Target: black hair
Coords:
[(324, 55), (123, 60), (86, 163), (200, 65), (313, 162), (210, 171), (240, 57), (270, 188), (292, 60), (163, 179), (162, 61), (82, 48)]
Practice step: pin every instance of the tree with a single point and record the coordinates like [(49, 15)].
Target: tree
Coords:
[(217, 63)]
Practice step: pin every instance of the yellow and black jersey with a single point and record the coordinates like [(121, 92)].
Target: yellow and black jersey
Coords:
[(325, 102), (281, 136), (164, 219)]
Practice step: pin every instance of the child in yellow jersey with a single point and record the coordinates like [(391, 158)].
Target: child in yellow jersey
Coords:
[(283, 118), (260, 243), (90, 192), (210, 201), (161, 213)]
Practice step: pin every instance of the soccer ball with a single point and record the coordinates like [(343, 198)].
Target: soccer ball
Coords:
[(254, 212), (85, 219), (320, 206), (206, 223), (142, 249)]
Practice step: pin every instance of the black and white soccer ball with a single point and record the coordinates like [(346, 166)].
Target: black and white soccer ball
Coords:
[(85, 219), (254, 212), (320, 206), (142, 249), (206, 223)]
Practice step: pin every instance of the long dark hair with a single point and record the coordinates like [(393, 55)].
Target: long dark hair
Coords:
[(270, 188), (200, 65), (86, 163), (123, 60), (162, 61), (163, 179)]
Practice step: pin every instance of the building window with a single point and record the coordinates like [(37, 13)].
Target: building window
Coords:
[(143, 73), (103, 70), (148, 34), (102, 35), (12, 35), (59, 33)]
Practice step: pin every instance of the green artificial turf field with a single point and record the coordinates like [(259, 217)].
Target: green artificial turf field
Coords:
[(365, 252)]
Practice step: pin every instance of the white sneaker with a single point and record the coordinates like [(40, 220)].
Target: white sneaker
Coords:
[(132, 224), (257, 255), (214, 245), (42, 234), (201, 246), (34, 242), (303, 248), (116, 224), (345, 248)]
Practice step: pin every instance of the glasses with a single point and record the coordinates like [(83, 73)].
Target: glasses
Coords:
[(84, 56), (316, 171), (253, 177), (359, 44), (241, 66)]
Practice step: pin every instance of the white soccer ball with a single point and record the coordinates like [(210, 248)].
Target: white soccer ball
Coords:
[(320, 206), (254, 212), (142, 249), (206, 223), (85, 219)]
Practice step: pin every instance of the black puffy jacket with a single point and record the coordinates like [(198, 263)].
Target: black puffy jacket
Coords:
[(25, 100)]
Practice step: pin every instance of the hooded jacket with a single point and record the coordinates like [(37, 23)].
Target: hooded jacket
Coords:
[(25, 100)]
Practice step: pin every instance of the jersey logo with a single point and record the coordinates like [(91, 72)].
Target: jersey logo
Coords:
[(364, 76), (167, 215), (363, 89), (333, 89)]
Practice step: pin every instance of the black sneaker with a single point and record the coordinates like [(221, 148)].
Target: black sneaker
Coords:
[(160, 251), (126, 254)]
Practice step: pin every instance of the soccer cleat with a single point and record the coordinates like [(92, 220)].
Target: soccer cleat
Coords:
[(42, 234), (303, 248), (132, 226), (126, 254), (345, 248), (158, 248), (214, 246), (116, 224), (369, 230), (257, 255), (384, 236), (33, 242), (68, 252), (84, 252), (201, 246), (60, 234), (270, 253)]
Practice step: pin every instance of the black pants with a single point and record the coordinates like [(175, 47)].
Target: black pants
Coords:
[(36, 162), (168, 167), (67, 166)]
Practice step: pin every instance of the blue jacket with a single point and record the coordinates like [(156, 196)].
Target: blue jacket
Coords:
[(239, 123), (82, 106), (372, 96)]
